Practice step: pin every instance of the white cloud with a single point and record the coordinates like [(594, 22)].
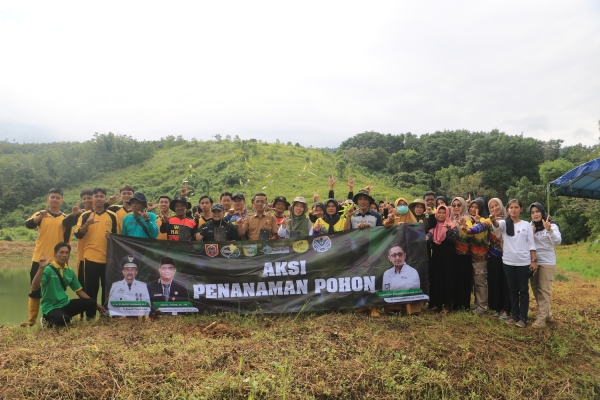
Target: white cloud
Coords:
[(312, 72)]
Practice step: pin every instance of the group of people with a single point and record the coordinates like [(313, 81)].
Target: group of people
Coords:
[(492, 254), (467, 250)]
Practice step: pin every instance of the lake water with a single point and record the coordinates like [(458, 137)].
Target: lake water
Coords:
[(14, 289)]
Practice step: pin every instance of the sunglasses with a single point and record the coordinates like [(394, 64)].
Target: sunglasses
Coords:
[(398, 254), (457, 205)]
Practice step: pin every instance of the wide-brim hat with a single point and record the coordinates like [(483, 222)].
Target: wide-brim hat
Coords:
[(139, 196), (412, 205), (179, 199), (362, 193), (283, 199)]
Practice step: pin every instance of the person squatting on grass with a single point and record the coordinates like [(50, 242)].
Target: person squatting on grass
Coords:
[(52, 278)]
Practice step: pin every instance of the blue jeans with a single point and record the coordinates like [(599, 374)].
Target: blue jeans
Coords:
[(517, 277)]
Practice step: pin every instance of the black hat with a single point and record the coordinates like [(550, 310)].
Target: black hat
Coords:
[(238, 196), (139, 196), (363, 193), (179, 199), (167, 260), (130, 262), (283, 199), (217, 207)]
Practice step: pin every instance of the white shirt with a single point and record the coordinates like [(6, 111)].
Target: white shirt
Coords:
[(120, 291), (516, 249), (407, 278), (544, 244)]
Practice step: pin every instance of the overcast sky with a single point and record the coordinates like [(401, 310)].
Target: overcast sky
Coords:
[(309, 72)]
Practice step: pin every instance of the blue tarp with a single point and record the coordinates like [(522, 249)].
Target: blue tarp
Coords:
[(583, 181)]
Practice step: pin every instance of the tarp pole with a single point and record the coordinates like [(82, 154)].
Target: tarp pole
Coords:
[(548, 197)]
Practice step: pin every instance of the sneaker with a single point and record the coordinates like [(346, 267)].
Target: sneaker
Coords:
[(504, 316), (538, 324), (45, 323), (511, 321), (521, 324), (496, 315)]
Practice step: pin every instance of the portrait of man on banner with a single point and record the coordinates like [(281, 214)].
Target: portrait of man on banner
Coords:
[(167, 289), (401, 282), (129, 297)]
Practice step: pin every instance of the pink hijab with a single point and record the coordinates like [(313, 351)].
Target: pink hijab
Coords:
[(439, 232)]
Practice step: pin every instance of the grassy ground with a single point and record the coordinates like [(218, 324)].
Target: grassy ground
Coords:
[(335, 355)]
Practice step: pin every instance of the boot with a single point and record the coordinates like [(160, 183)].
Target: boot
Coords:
[(34, 308)]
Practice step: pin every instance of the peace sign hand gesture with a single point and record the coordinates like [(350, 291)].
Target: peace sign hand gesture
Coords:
[(547, 224), (477, 218), (332, 182), (113, 199), (76, 210), (151, 205)]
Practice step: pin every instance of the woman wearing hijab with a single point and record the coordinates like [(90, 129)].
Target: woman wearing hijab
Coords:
[(331, 221), (464, 276), (318, 209), (441, 200), (546, 236), (400, 215), (442, 270), (498, 295), (477, 226), (417, 208), (298, 225), (519, 259)]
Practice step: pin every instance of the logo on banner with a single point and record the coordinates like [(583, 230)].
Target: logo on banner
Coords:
[(300, 246), (276, 250), (321, 244), (250, 250), (212, 250), (230, 251)]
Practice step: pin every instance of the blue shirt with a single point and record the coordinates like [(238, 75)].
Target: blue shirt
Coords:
[(134, 229)]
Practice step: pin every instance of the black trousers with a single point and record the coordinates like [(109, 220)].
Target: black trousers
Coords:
[(94, 274), (62, 316), (36, 294)]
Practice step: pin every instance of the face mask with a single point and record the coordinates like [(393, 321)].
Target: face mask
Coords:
[(402, 210)]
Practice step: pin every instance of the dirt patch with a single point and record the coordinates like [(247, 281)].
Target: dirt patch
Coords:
[(22, 249), (216, 329)]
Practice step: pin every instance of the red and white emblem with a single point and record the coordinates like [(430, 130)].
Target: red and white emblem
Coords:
[(212, 250)]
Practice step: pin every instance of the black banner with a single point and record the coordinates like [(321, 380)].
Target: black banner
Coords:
[(358, 268)]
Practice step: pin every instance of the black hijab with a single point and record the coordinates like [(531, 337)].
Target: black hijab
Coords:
[(539, 226), (313, 218), (444, 199), (482, 208), (331, 219)]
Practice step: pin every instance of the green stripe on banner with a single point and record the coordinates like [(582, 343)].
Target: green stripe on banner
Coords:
[(399, 293), (174, 304)]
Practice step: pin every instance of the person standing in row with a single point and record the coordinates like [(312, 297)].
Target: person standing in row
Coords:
[(442, 267), (139, 223), (95, 226), (179, 227), (546, 236), (519, 259), (260, 226), (463, 264), (126, 192), (498, 293), (49, 224)]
